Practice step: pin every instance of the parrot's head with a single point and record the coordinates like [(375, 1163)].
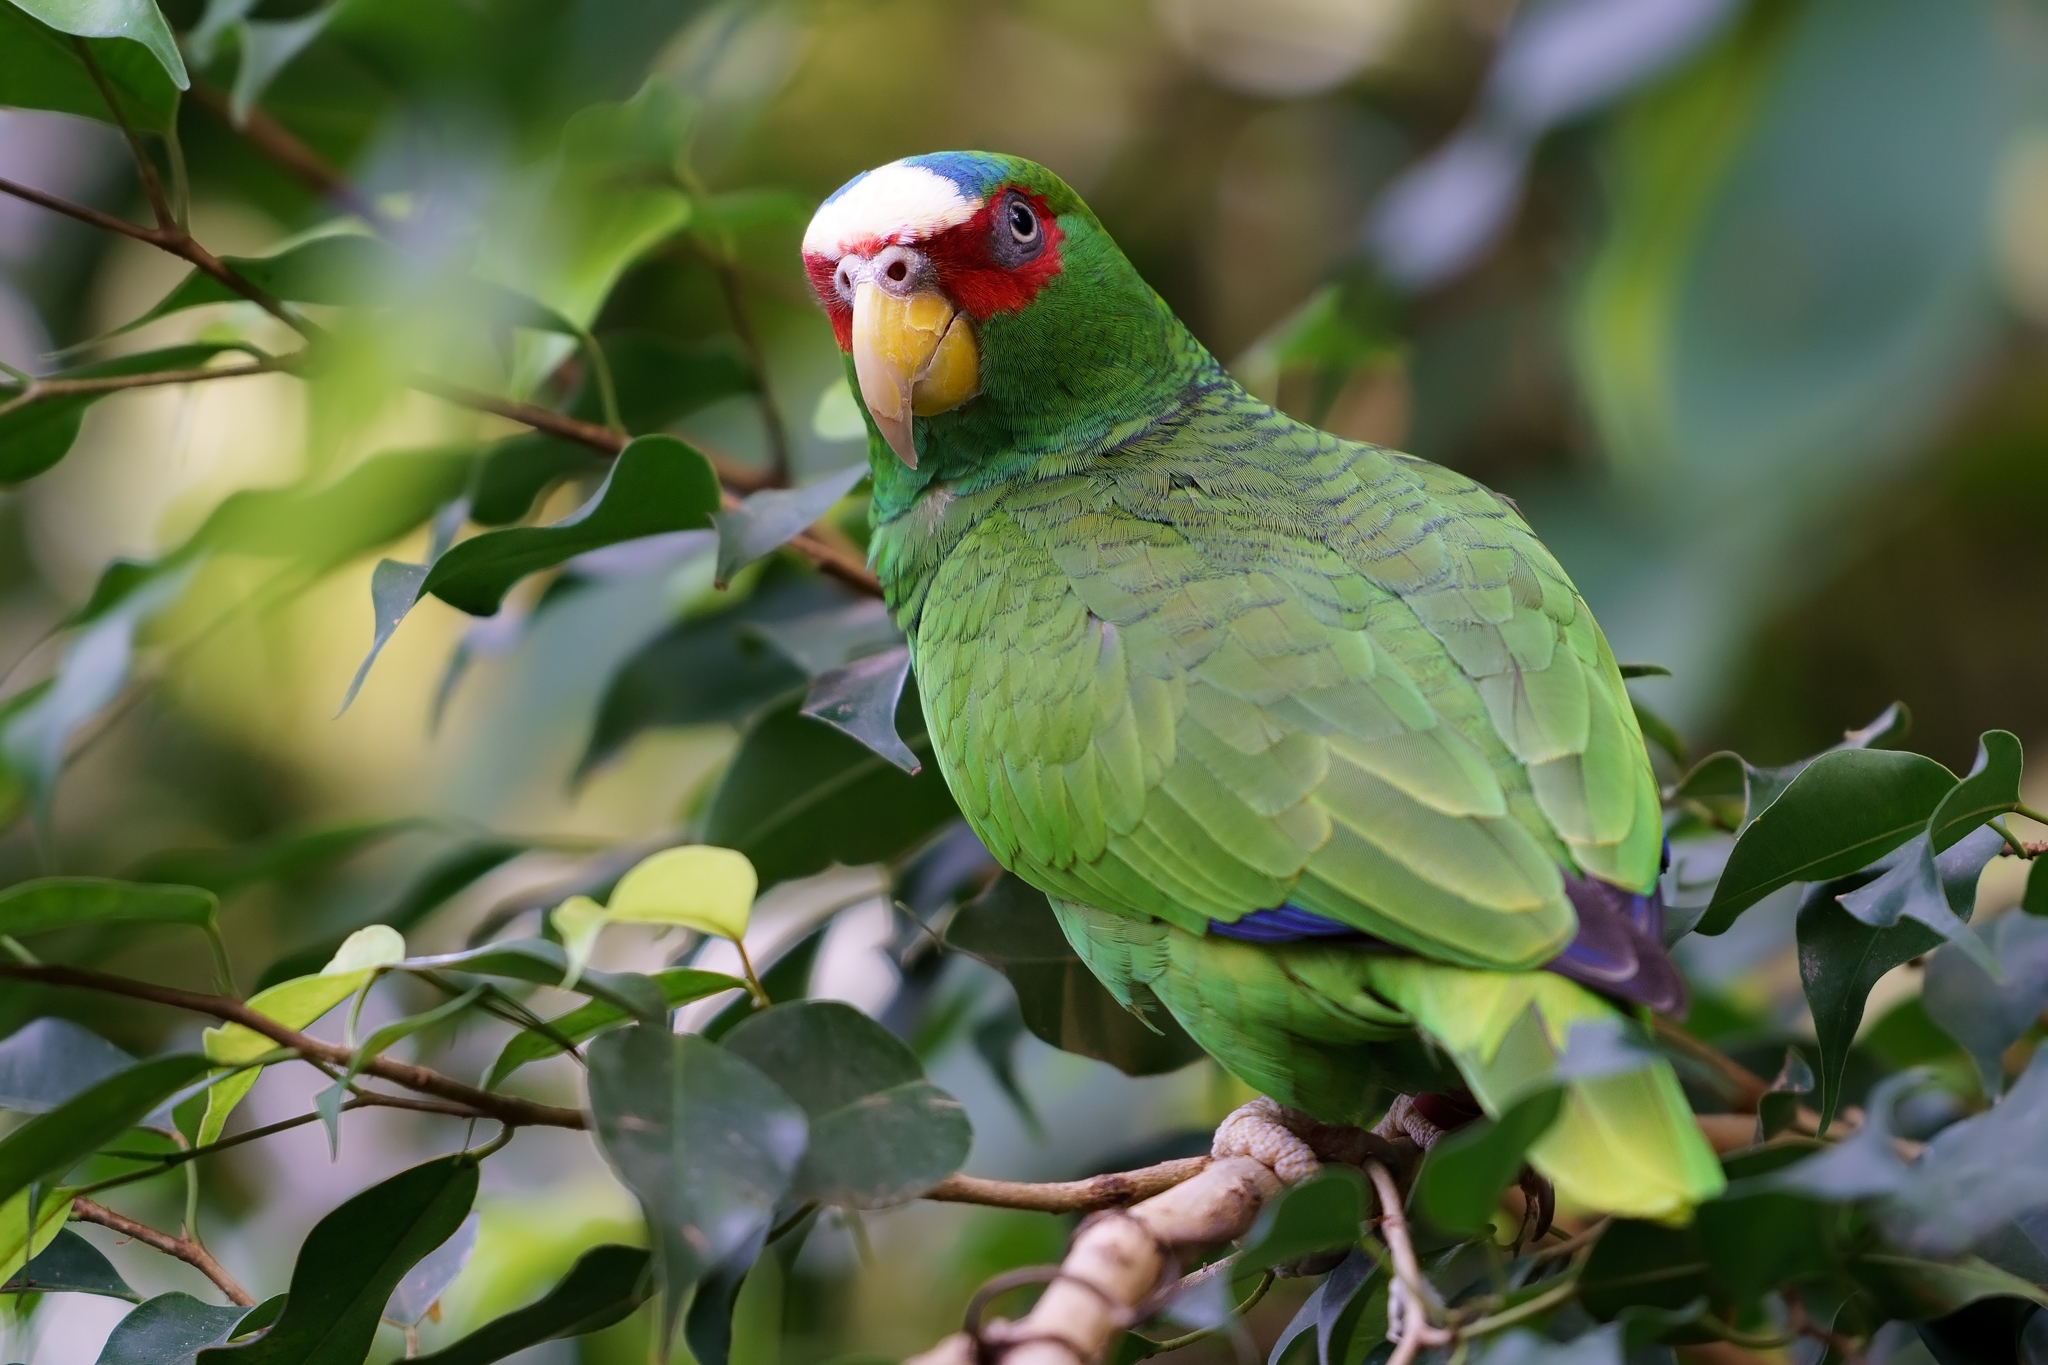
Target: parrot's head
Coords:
[(985, 310)]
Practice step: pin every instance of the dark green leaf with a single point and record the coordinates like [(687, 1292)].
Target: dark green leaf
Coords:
[(1840, 959), (1779, 1107), (320, 528), (1321, 1213), (772, 518), (170, 1329), (1914, 884), (829, 640), (40, 69), (519, 469), (1659, 732), (1987, 1016), (2035, 900), (70, 1265), (798, 797), (1643, 1265), (1916, 1290), (137, 21), (880, 1132), (707, 1143), (679, 986), (224, 871), (1759, 1242), (1644, 671), (707, 668), (39, 433), (1012, 927), (543, 963), (353, 1259), (394, 587), (657, 485), (49, 1060), (1848, 807), (659, 379), (52, 1143), (1991, 789), (1975, 1174), (1465, 1174), (605, 1284), (861, 700)]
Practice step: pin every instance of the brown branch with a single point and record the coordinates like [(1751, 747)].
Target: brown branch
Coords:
[(506, 1109), (185, 1249), (152, 186), (1746, 1087), (114, 383), (1069, 1196), (283, 146)]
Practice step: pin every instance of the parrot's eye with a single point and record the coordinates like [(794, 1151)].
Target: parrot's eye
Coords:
[(1018, 234)]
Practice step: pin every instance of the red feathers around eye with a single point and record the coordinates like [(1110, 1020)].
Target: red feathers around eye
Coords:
[(974, 279), (968, 271)]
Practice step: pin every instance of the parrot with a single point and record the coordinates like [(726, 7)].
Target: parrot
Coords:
[(1310, 742)]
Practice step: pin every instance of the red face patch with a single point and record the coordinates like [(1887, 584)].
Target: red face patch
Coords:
[(969, 269)]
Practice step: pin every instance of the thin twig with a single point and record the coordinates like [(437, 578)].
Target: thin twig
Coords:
[(152, 186), (1410, 1330), (115, 383), (757, 358), (186, 1250), (1069, 1196), (504, 1108)]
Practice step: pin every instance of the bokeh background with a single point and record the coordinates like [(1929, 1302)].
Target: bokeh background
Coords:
[(1744, 301)]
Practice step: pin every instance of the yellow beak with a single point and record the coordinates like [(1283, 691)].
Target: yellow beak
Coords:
[(914, 355)]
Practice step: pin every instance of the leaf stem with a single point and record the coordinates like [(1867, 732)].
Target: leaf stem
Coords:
[(754, 986), (152, 185)]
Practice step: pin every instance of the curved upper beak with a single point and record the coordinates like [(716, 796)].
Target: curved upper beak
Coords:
[(914, 354)]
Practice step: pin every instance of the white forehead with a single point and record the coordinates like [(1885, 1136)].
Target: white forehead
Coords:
[(896, 202)]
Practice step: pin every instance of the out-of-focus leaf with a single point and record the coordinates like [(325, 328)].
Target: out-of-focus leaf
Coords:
[(1840, 959), (1779, 1106), (1991, 789), (1915, 886), (773, 517), (1848, 807), (861, 699), (2034, 901), (679, 986), (1643, 1265), (428, 1280), (1987, 1016), (707, 1143), (658, 485), (1659, 732), (1916, 1290), (75, 902), (320, 528), (39, 432), (606, 1283), (394, 587), (995, 1040), (1644, 671), (51, 1143), (18, 1243), (40, 69), (798, 797), (1518, 1346), (518, 469), (1465, 1174), (224, 871), (170, 1329), (1321, 1213), (49, 1060), (658, 378), (352, 1261), (70, 1265), (880, 1132), (1974, 1175), (267, 47), (1011, 927), (829, 640)]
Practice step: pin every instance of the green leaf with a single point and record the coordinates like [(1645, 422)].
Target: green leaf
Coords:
[(1937, 891), (1779, 1107), (138, 21), (1011, 927), (70, 1265), (880, 1133), (51, 1143), (1644, 671), (679, 986), (707, 1143), (1321, 1213), (1916, 1290), (773, 517), (1659, 731), (40, 69), (352, 1260), (39, 431), (1991, 789), (1848, 807), (543, 963), (606, 1283), (798, 797), (659, 378), (1840, 959), (861, 700), (2034, 901), (76, 902), (1643, 1265), (658, 485), (170, 1329), (18, 1243), (394, 588), (517, 470), (1988, 1016), (325, 526), (1464, 1175), (236, 867)]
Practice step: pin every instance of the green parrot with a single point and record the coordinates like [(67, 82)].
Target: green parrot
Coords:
[(1311, 741)]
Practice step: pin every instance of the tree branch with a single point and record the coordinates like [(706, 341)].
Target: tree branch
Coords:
[(283, 146), (41, 389), (506, 1109), (186, 1250), (1069, 1196)]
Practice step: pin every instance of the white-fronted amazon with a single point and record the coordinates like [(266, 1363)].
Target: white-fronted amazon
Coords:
[(1311, 740)]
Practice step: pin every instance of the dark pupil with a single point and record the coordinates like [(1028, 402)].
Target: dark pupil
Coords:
[(1022, 223)]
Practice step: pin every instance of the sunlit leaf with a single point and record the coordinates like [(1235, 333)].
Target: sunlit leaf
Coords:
[(707, 1143), (658, 485), (51, 1143), (605, 1284), (1847, 808), (698, 886), (880, 1133), (18, 1244), (773, 517), (76, 902), (352, 1261)]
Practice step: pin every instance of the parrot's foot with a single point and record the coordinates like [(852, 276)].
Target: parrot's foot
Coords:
[(1295, 1146), (1424, 1119)]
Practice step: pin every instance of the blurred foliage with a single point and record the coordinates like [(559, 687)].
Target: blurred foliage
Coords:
[(1743, 302)]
